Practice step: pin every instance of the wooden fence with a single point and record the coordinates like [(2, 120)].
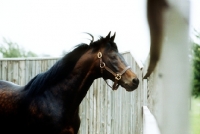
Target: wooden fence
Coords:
[(103, 111)]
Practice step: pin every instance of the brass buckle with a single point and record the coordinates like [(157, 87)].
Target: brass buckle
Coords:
[(118, 76)]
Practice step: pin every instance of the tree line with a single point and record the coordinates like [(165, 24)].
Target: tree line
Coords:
[(9, 49), (195, 54)]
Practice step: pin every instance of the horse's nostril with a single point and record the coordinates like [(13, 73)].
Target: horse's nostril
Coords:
[(135, 81)]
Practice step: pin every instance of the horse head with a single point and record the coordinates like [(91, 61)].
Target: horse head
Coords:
[(112, 65)]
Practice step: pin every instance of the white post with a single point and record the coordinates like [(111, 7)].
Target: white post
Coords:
[(174, 69)]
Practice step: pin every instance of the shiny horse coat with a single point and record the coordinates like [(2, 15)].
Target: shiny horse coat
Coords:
[(49, 102)]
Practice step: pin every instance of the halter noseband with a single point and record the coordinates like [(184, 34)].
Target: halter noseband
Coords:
[(117, 76)]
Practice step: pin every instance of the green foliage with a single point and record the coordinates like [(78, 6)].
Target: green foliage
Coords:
[(196, 69), (195, 115), (11, 50)]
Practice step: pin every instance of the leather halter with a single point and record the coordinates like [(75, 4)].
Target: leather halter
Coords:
[(117, 76)]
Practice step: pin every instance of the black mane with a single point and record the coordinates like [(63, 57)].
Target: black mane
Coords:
[(63, 67), (57, 72)]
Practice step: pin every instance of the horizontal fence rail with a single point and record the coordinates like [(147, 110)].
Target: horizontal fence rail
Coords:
[(103, 111)]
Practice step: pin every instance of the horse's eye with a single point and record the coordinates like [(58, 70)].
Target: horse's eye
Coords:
[(113, 57)]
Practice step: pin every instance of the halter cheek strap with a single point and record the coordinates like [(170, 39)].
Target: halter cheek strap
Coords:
[(117, 76)]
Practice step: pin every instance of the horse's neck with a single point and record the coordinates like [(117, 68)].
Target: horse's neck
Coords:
[(80, 81)]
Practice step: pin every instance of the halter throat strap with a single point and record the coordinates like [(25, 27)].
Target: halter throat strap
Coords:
[(117, 76)]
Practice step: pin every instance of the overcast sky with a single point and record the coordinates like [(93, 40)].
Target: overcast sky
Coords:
[(51, 26)]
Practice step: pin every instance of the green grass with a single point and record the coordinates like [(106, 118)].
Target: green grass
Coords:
[(195, 115)]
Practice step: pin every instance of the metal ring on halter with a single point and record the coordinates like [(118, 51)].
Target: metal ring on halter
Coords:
[(99, 55), (118, 76), (102, 65)]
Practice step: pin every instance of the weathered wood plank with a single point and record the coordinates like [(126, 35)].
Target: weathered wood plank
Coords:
[(4, 70), (22, 68)]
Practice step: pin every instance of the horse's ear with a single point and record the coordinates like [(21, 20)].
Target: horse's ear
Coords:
[(113, 37), (108, 36)]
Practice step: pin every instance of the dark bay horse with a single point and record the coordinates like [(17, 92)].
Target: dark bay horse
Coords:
[(49, 103)]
